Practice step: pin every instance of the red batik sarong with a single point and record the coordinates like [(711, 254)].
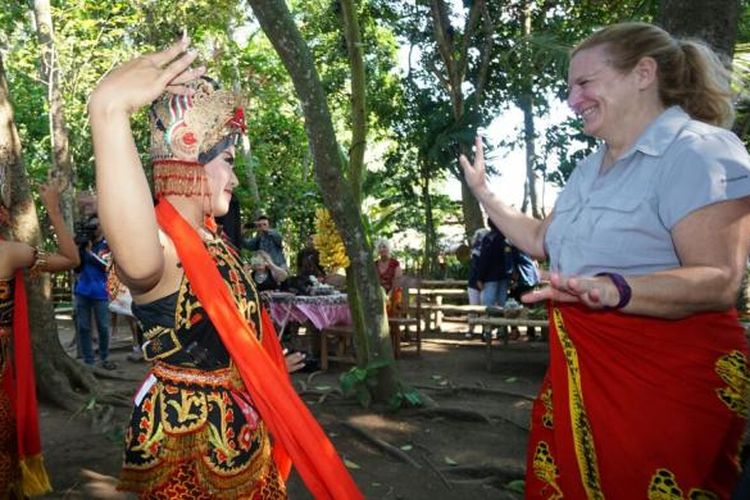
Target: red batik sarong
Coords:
[(637, 407)]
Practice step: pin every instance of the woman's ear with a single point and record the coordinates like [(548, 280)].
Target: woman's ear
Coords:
[(646, 72)]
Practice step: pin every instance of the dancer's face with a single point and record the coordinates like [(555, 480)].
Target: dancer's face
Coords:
[(221, 181)]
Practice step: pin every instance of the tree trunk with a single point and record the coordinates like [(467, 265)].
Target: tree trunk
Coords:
[(62, 163), (358, 99), (430, 252), (57, 373), (375, 345), (472, 212), (714, 21), (529, 137), (454, 51)]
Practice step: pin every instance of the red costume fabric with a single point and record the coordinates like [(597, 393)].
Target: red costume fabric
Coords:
[(296, 433), (637, 407)]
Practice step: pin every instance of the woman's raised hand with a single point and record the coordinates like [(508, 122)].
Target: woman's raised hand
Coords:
[(139, 81), (49, 192), (475, 174)]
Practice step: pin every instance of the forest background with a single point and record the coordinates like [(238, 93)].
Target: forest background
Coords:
[(361, 107)]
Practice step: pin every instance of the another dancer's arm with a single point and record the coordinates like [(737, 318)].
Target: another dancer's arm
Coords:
[(17, 255)]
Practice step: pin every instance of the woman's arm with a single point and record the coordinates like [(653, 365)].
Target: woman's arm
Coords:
[(67, 256), (526, 232), (15, 255), (125, 204), (713, 245)]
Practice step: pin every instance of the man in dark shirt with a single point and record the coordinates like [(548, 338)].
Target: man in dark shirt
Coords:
[(494, 268), (267, 239)]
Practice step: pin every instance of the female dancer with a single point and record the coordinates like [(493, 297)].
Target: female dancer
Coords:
[(22, 471), (217, 417)]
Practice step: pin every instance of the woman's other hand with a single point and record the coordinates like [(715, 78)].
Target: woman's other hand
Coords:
[(475, 174), (139, 81), (597, 292)]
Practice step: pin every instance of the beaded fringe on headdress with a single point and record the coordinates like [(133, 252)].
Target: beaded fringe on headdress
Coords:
[(180, 178)]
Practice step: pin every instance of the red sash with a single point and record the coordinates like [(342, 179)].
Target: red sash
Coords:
[(20, 385), (262, 368), (631, 406)]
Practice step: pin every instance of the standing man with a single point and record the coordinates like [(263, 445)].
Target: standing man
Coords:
[(494, 268), (267, 239), (91, 291)]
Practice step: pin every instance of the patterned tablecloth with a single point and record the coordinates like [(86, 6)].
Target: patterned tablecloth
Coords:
[(320, 310)]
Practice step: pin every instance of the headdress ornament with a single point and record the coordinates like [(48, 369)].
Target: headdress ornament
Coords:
[(188, 131)]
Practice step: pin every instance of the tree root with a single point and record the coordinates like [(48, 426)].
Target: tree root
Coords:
[(503, 473), (111, 375), (512, 422), (456, 414), (437, 471), (114, 399), (474, 390), (382, 444)]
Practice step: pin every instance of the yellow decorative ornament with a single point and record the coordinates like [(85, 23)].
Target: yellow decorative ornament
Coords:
[(328, 242)]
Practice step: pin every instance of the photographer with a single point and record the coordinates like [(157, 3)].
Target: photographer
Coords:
[(91, 290), (267, 239)]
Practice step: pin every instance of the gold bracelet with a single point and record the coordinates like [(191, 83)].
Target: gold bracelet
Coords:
[(40, 263)]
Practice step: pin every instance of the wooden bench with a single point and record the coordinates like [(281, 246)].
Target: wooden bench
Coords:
[(433, 292), (505, 324)]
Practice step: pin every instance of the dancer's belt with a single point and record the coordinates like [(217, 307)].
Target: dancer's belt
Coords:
[(227, 378)]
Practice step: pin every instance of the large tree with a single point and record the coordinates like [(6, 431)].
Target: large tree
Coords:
[(374, 348), (714, 21)]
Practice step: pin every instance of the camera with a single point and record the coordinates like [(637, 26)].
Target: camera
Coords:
[(85, 231)]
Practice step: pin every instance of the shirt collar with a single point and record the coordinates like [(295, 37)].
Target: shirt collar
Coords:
[(660, 133)]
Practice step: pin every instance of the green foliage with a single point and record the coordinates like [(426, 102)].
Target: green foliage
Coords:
[(360, 382)]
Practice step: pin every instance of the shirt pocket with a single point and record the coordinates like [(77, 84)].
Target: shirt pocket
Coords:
[(614, 221)]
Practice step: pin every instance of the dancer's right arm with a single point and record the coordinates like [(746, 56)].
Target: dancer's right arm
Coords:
[(125, 204), (525, 232)]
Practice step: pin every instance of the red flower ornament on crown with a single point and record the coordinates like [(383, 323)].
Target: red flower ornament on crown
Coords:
[(189, 131)]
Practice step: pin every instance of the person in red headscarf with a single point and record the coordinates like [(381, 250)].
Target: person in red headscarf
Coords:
[(22, 471), (217, 417)]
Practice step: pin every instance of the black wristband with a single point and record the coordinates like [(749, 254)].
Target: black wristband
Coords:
[(622, 288)]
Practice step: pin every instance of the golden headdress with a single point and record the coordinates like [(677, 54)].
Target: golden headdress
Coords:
[(188, 131)]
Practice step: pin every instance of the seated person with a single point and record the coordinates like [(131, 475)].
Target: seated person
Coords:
[(389, 272), (265, 274)]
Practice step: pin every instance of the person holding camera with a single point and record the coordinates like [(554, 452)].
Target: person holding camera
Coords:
[(91, 291), (267, 239)]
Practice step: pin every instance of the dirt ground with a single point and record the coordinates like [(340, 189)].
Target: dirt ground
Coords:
[(446, 454)]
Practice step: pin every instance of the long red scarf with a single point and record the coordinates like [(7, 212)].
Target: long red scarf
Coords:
[(20, 385), (632, 406), (291, 424)]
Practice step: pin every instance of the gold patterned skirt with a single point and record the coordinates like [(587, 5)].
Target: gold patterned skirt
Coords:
[(196, 434)]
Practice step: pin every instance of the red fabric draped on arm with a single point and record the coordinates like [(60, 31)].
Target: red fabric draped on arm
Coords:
[(293, 428)]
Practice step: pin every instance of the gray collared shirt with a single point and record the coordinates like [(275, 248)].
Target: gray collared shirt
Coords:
[(621, 220)]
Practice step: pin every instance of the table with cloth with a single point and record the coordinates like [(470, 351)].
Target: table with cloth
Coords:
[(317, 311)]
